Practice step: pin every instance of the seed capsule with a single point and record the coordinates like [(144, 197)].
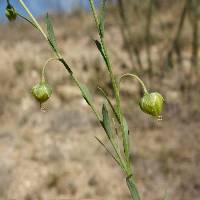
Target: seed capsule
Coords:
[(152, 103), (42, 92), (11, 13)]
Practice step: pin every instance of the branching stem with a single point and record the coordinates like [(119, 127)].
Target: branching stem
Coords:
[(131, 185), (114, 84), (29, 21), (33, 18), (123, 161)]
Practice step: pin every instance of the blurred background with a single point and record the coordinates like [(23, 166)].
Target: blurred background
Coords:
[(54, 154)]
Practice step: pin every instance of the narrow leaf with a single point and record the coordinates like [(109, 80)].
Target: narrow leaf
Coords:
[(51, 35), (28, 20), (117, 111), (165, 196), (87, 96), (106, 148), (126, 136), (110, 103), (100, 48), (106, 121), (86, 93)]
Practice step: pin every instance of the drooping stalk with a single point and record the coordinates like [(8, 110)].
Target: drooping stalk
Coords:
[(132, 187), (124, 163), (137, 78), (112, 77), (44, 68)]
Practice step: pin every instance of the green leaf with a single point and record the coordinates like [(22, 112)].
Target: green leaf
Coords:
[(106, 121), (101, 49), (165, 196), (28, 20), (86, 93), (109, 102), (102, 17), (106, 148), (87, 96), (126, 136), (117, 111), (51, 35)]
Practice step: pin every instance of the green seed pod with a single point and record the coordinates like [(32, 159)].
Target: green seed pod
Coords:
[(152, 103), (42, 92), (11, 13)]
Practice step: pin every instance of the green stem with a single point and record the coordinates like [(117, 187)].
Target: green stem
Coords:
[(114, 84), (118, 104), (59, 57), (125, 164), (118, 153), (44, 67), (33, 19), (78, 84), (94, 13), (29, 21), (137, 78), (121, 161), (132, 187)]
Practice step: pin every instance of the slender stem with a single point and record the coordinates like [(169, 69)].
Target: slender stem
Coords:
[(132, 187), (29, 21), (116, 159), (33, 18), (125, 164), (114, 84), (94, 13), (78, 84), (118, 105), (121, 161), (137, 78), (118, 153), (59, 57), (44, 67)]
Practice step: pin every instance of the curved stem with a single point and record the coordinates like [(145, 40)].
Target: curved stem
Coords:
[(59, 57), (115, 87), (135, 77), (44, 67), (29, 21), (33, 18)]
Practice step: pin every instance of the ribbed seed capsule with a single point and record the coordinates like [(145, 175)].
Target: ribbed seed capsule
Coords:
[(42, 92), (11, 13), (152, 103)]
